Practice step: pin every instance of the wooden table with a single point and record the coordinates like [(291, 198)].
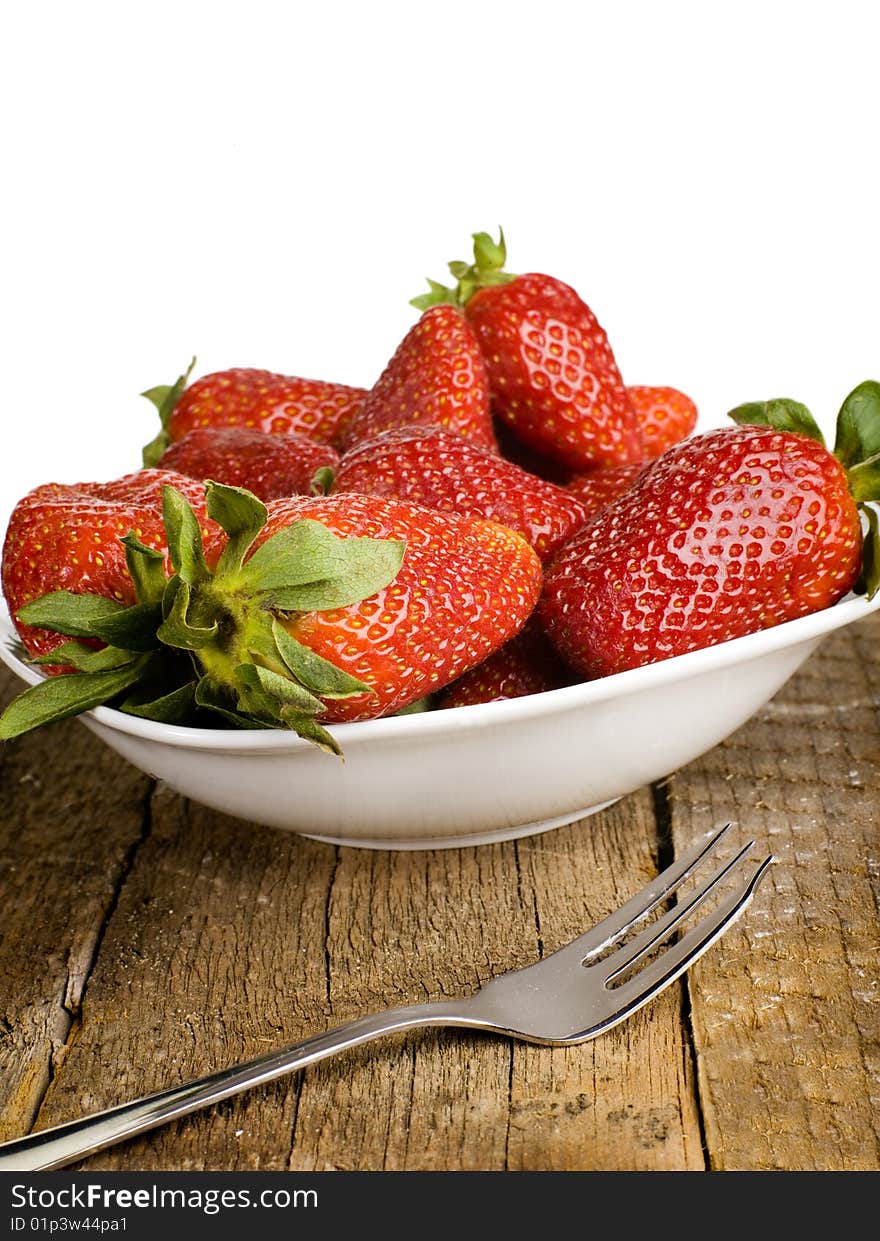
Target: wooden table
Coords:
[(146, 940)]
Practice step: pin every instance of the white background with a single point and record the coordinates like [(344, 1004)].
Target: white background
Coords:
[(267, 184)]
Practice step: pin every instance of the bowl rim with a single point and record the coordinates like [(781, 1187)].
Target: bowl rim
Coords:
[(431, 724)]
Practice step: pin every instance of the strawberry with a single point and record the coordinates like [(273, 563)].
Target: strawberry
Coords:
[(271, 466), (463, 588), (527, 664), (70, 537), (664, 415), (437, 376), (307, 610), (729, 532), (435, 467), (552, 375), (257, 399), (599, 487)]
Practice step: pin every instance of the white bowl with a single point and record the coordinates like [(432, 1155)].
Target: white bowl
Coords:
[(472, 775)]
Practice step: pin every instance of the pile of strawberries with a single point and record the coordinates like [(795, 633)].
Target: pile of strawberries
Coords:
[(498, 515)]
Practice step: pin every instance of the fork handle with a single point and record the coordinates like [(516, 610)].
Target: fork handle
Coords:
[(62, 1145)]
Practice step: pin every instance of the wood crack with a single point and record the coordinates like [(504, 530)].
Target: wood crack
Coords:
[(661, 794), (73, 993)]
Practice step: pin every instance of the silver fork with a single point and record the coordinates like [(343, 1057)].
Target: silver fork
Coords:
[(576, 993)]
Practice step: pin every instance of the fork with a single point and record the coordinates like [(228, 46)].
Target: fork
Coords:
[(574, 994)]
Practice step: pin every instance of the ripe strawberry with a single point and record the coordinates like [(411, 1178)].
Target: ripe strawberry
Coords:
[(437, 468), (69, 537), (271, 466), (665, 416), (599, 487), (437, 376), (527, 664), (310, 609), (257, 399), (729, 532), (552, 374), (464, 587)]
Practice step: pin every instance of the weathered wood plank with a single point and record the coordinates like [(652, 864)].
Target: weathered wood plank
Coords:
[(216, 941), (408, 925), (627, 1100), (71, 819), (215, 953), (227, 940), (786, 1008)]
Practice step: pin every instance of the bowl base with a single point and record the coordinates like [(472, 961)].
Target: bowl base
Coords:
[(464, 842)]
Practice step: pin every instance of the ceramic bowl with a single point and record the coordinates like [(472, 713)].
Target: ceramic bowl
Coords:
[(473, 775)]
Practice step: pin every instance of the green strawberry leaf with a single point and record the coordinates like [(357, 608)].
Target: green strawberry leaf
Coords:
[(65, 612), (305, 551), (307, 568), (176, 630), (146, 567), (184, 537), (439, 295), (241, 515), (152, 453), (133, 629), (375, 572), (165, 398), (864, 479), (322, 481), (175, 707), (486, 270), (858, 425), (780, 413), (84, 658), (217, 698), (313, 671), (307, 727), (59, 698), (281, 691), (417, 707), (869, 577), (489, 255)]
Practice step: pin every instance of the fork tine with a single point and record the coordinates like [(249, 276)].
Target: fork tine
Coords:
[(610, 929), (641, 944), (632, 995)]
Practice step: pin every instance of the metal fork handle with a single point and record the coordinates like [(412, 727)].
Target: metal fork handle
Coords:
[(62, 1145)]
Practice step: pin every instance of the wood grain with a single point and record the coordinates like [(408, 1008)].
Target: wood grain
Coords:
[(71, 820), (146, 940), (786, 1008)]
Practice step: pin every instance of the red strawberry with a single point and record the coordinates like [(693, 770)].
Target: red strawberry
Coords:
[(727, 533), (599, 487), (271, 466), (313, 608), (552, 374), (437, 376), (68, 537), (432, 466), (665, 416), (463, 589), (260, 400), (527, 664)]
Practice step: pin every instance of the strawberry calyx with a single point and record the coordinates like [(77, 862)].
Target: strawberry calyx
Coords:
[(486, 270), (856, 447), (210, 638), (165, 398)]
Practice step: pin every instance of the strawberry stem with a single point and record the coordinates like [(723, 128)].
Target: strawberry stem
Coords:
[(165, 398), (486, 270), (212, 639)]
